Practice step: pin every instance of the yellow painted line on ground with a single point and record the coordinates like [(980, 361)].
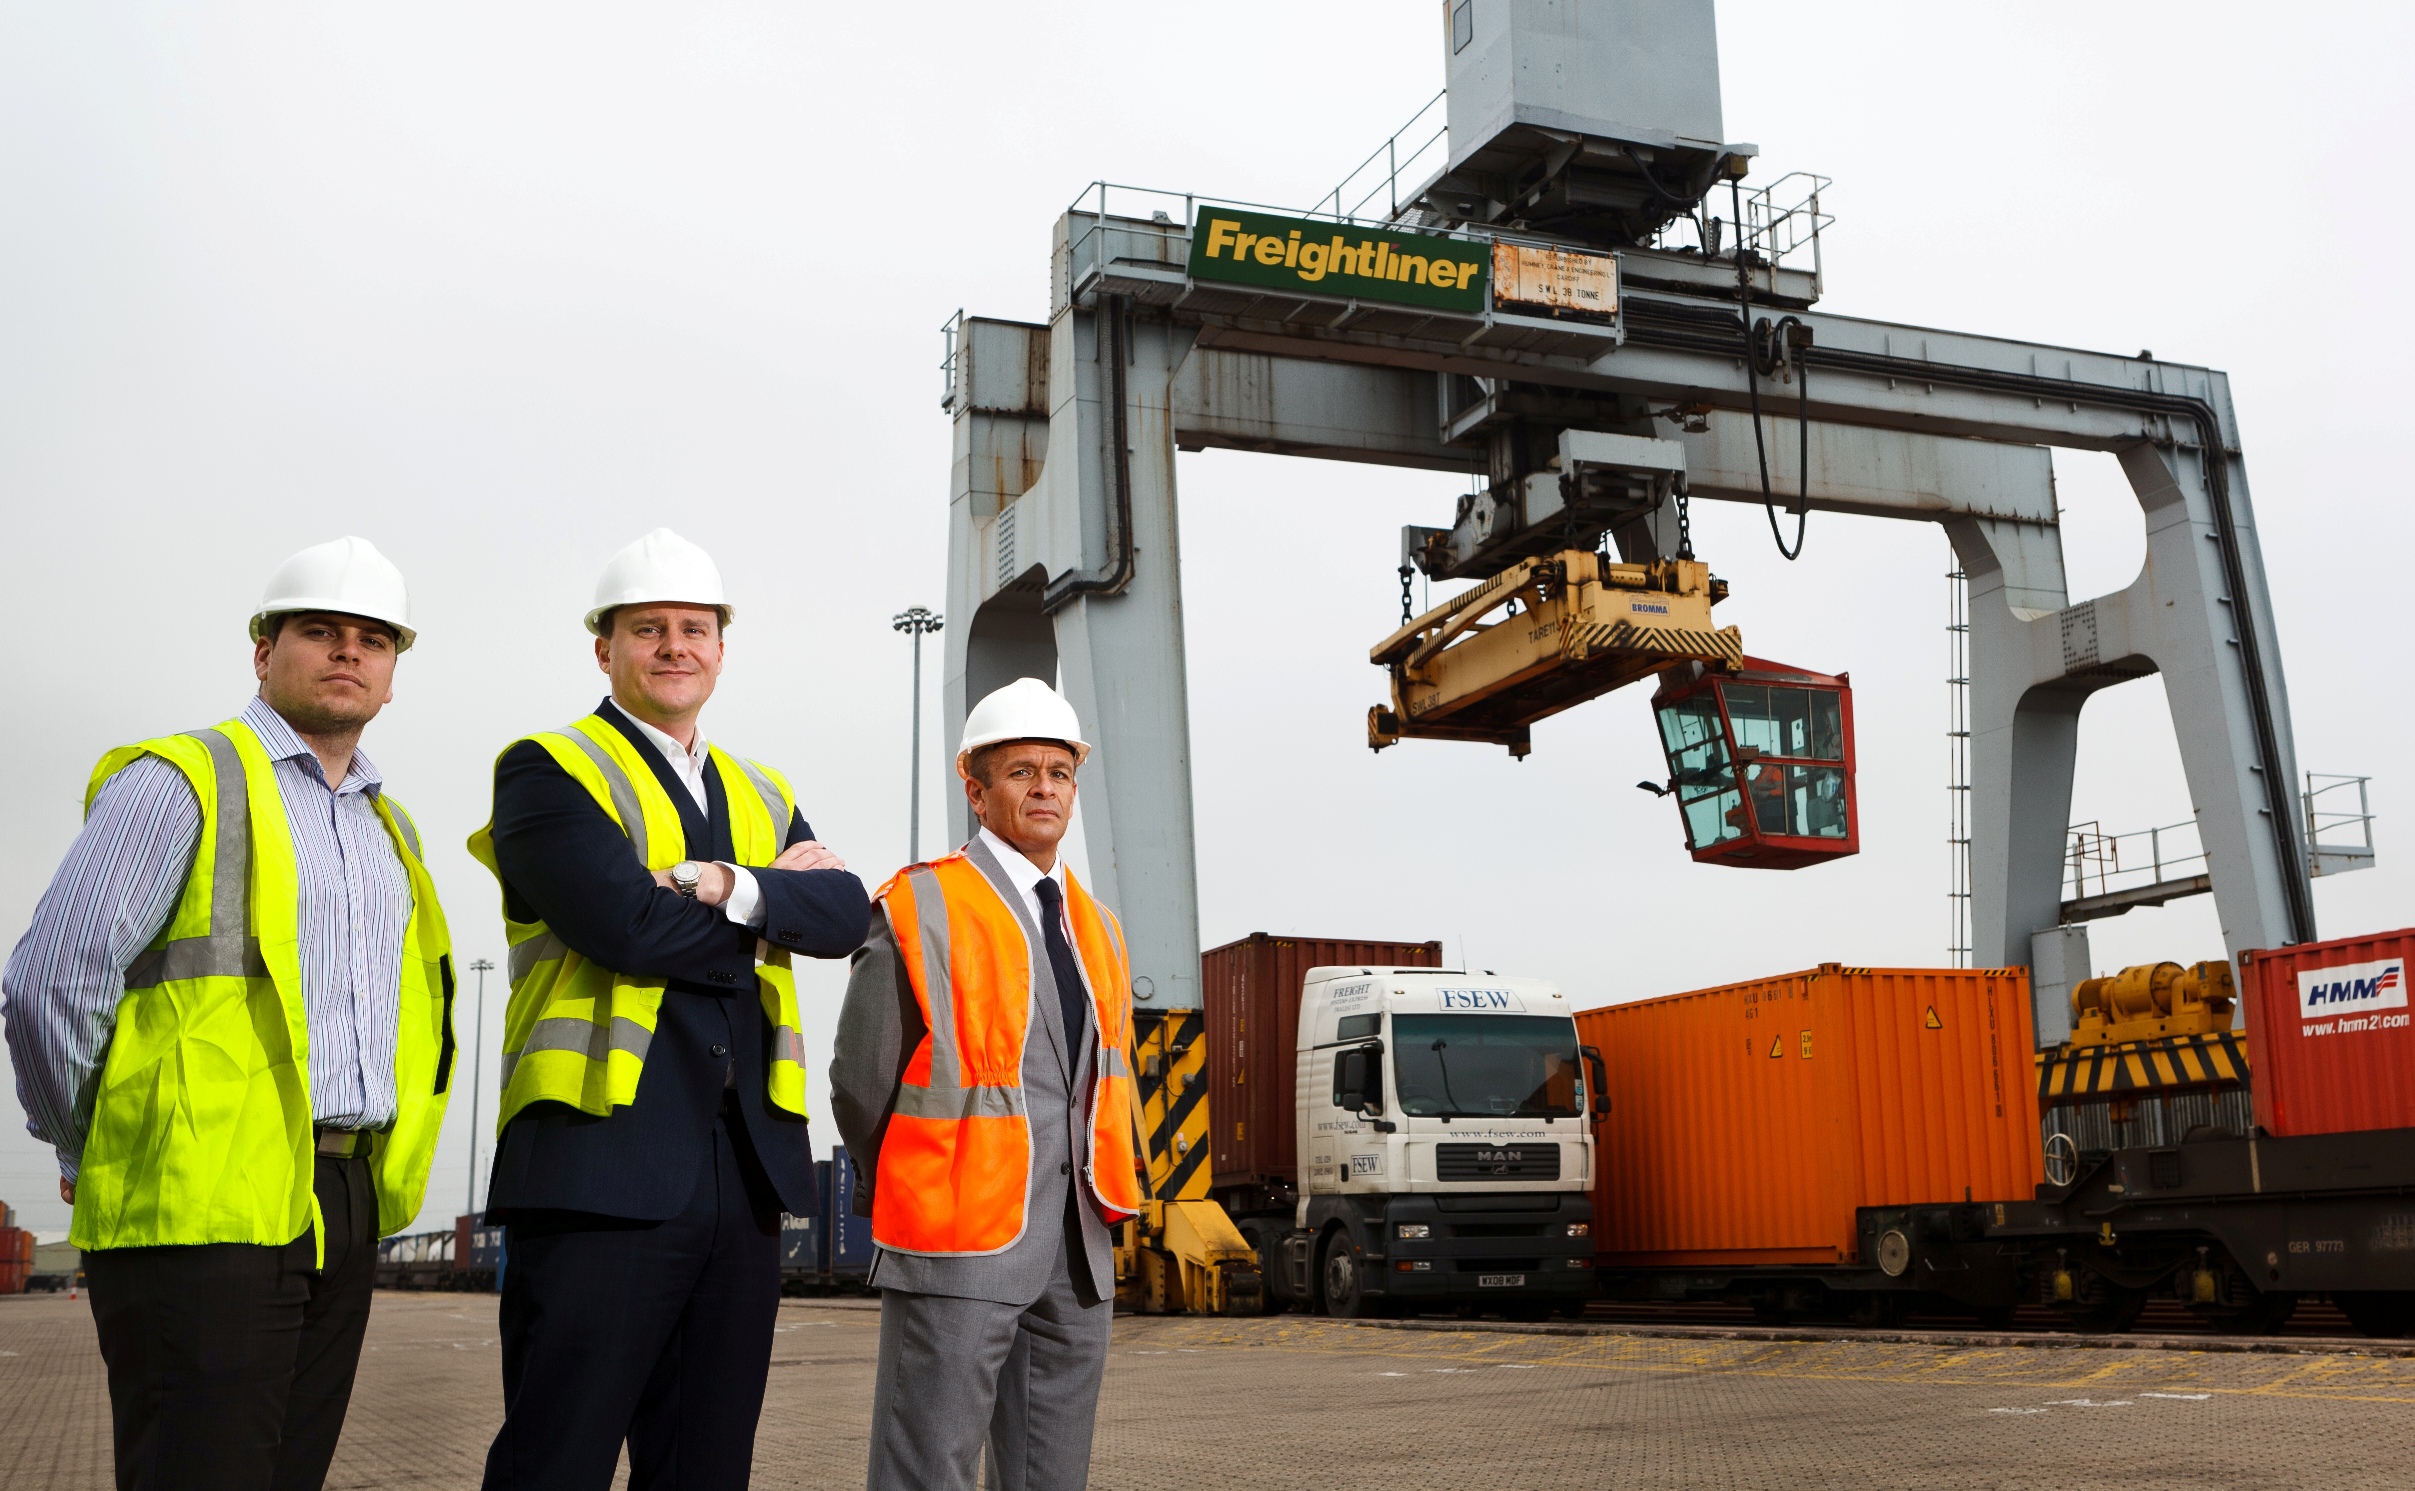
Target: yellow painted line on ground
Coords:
[(2334, 1379)]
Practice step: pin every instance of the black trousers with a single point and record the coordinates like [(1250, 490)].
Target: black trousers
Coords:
[(657, 1333), (230, 1364)]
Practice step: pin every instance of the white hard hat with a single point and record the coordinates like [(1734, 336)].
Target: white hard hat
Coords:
[(1026, 709), (347, 576), (662, 568)]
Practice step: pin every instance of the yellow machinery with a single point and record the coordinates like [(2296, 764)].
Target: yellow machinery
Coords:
[(1571, 626), (2152, 1001), (2151, 1060), (1183, 1255)]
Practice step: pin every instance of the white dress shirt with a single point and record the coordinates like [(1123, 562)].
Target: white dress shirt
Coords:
[(689, 764), (1027, 877)]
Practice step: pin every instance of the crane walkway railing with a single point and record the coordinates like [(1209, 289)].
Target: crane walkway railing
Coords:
[(2107, 874), (1417, 150)]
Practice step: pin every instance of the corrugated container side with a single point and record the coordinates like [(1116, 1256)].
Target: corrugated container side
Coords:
[(1252, 992), (1749, 1121), (2329, 1025), (16, 1259)]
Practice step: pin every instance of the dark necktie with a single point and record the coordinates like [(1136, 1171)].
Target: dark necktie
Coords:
[(1071, 1000)]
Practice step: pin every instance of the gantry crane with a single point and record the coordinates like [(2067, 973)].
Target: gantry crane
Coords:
[(1559, 308)]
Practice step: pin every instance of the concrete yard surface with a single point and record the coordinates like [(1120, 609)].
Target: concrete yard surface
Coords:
[(1291, 1401)]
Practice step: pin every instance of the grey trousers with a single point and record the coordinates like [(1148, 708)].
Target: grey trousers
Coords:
[(954, 1372)]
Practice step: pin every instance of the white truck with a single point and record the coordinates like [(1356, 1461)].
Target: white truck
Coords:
[(1445, 1147)]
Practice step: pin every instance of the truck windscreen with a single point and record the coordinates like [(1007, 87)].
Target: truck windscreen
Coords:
[(1485, 1066)]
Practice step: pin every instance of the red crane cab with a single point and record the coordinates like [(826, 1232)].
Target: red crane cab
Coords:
[(1761, 763)]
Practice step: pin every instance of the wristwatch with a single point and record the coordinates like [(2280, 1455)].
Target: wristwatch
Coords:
[(684, 876)]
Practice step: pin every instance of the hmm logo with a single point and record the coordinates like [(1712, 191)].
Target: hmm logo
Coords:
[(2353, 989), (1490, 1001)]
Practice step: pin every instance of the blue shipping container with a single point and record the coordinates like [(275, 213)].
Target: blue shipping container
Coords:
[(801, 1245), (847, 1237)]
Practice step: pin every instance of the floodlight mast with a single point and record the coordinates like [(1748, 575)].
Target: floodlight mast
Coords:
[(1065, 436), (916, 622)]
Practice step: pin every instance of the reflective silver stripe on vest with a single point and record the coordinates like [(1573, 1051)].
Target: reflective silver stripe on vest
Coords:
[(542, 948), (788, 1045), (228, 951), (616, 782), (1114, 1066), (595, 1042), (950, 1103), (946, 1098), (772, 803), (938, 982), (410, 830)]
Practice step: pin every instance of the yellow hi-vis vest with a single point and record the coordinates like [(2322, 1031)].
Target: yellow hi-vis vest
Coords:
[(576, 1032), (201, 1126)]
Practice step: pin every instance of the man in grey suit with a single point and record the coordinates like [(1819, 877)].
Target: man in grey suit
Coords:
[(992, 1326)]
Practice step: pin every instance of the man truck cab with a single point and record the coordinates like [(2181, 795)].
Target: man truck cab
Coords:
[(1445, 1147)]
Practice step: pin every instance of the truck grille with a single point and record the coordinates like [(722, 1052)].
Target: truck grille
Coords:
[(1539, 1161)]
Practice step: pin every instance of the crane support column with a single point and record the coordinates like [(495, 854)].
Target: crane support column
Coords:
[(2035, 660)]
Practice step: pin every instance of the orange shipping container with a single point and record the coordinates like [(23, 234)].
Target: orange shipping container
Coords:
[(1747, 1122)]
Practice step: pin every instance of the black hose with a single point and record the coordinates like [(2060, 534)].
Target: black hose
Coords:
[(1117, 578), (1662, 192), (1752, 384)]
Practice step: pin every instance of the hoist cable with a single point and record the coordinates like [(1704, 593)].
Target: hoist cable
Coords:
[(1752, 385)]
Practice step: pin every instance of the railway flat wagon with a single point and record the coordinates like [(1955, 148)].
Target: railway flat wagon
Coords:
[(1752, 1124)]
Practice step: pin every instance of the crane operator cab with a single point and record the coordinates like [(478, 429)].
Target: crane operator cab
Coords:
[(1445, 1136), (1760, 762)]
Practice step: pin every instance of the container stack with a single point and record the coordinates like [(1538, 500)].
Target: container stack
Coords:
[(16, 1252)]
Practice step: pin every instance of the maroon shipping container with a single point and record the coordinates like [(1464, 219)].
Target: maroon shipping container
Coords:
[(2328, 1027), (16, 1259), (1252, 992)]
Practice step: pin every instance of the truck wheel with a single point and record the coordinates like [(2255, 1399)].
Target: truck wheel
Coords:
[(1345, 1299), (1269, 1249)]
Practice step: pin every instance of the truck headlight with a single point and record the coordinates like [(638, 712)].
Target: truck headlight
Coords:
[(1413, 1231), (1580, 1263), (1579, 1229), (1414, 1266)]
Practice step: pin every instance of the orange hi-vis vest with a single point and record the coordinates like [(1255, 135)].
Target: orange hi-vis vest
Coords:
[(953, 1178)]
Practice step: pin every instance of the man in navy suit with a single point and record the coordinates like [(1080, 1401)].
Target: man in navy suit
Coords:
[(653, 1125)]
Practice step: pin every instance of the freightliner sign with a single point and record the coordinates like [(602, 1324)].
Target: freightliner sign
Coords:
[(1327, 258)]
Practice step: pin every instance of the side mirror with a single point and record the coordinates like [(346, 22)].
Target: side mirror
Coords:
[(1358, 1079), (1597, 1076)]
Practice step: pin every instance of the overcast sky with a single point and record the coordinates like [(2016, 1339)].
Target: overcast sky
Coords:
[(502, 285)]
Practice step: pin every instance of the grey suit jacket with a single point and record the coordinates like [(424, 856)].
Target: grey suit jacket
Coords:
[(880, 1024)]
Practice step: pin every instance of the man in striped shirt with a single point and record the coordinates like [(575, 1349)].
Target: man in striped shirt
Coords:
[(231, 1362)]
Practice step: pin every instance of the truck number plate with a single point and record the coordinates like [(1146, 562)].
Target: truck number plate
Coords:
[(1500, 1281)]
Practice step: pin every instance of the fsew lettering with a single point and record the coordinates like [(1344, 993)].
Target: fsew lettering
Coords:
[(1487, 1000)]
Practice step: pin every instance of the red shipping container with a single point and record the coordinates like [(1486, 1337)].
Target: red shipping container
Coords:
[(16, 1259), (1252, 993), (2328, 1025)]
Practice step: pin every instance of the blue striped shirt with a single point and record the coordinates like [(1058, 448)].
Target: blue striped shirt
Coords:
[(118, 886)]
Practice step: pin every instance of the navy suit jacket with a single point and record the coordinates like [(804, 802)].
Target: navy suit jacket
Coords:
[(566, 863)]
